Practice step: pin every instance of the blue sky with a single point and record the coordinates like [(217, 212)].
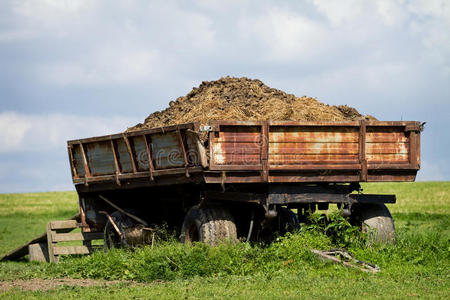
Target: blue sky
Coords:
[(72, 69)]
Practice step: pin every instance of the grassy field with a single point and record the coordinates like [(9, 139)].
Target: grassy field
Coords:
[(417, 266)]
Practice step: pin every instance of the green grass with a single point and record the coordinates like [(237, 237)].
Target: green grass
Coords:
[(417, 266), (24, 216)]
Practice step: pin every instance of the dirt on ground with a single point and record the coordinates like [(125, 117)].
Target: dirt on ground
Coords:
[(39, 284), (231, 98)]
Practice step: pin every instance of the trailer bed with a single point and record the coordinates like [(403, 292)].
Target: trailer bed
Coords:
[(249, 152)]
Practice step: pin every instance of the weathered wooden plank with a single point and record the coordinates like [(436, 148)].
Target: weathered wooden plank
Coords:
[(66, 224), (51, 255), (76, 236), (65, 250), (38, 252)]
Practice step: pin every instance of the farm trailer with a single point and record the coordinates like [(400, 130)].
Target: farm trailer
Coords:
[(240, 179)]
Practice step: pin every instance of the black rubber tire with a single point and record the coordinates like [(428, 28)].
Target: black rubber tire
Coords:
[(210, 225), (288, 220), (377, 222)]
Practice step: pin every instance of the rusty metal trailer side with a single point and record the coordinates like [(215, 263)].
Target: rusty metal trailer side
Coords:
[(143, 155), (249, 152), (286, 152)]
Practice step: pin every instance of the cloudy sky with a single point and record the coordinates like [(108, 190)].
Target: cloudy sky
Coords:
[(79, 68)]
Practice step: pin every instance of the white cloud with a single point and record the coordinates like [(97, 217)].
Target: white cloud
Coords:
[(95, 43), (107, 65), (12, 131), (48, 9), (285, 35), (341, 12), (33, 133)]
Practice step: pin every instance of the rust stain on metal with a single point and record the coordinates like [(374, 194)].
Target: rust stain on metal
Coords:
[(256, 151)]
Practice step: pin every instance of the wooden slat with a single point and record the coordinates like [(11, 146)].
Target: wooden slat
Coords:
[(65, 250), (67, 224), (76, 236), (51, 255)]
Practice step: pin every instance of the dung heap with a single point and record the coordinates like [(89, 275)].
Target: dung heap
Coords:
[(231, 98)]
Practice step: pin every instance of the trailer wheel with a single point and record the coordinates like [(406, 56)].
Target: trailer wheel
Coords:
[(209, 225), (377, 222), (288, 221), (111, 237)]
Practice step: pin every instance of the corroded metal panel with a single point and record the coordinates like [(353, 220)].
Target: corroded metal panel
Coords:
[(312, 145), (123, 156), (316, 151), (100, 158), (252, 152), (167, 151), (78, 160), (387, 145), (236, 146), (140, 152), (127, 156)]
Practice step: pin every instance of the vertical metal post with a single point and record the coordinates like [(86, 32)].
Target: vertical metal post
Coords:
[(413, 149), (133, 163), (362, 150), (116, 162), (87, 172), (149, 156), (72, 161), (186, 163), (265, 151)]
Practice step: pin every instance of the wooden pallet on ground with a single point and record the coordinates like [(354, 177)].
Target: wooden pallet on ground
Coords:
[(23, 250), (57, 231)]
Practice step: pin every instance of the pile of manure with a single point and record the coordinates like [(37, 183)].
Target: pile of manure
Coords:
[(245, 99)]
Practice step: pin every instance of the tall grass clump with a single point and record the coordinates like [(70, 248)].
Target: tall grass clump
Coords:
[(172, 260)]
